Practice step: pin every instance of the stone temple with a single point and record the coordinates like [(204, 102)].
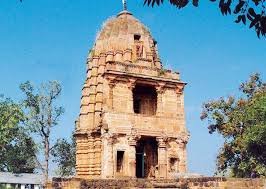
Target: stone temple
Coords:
[(131, 122)]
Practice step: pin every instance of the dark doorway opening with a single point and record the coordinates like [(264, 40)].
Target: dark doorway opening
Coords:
[(120, 161), (146, 157), (145, 100), (139, 165)]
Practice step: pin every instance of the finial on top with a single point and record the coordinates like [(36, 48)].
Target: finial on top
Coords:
[(124, 5), (124, 11)]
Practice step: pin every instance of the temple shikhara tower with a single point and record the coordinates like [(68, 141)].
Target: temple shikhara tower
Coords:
[(131, 122)]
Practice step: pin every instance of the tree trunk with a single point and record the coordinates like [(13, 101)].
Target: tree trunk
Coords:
[(46, 155)]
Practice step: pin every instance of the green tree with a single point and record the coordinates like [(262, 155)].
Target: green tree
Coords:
[(242, 123), (42, 113), (10, 116), (19, 156), (17, 149), (252, 12), (64, 154)]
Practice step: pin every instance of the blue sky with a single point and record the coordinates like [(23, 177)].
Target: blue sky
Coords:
[(49, 40)]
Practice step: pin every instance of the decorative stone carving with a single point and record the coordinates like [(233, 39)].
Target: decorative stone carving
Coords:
[(133, 137), (183, 138), (112, 81), (180, 88), (162, 141), (173, 153), (131, 83), (139, 50), (160, 88), (109, 137)]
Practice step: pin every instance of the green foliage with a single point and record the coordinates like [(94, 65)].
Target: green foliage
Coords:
[(41, 110), (64, 154), (3, 186), (17, 152), (42, 113), (242, 123), (37, 114), (253, 11), (10, 116), (19, 155)]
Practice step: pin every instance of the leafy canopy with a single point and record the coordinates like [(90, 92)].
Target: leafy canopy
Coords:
[(64, 155), (43, 113), (19, 155), (40, 106), (242, 123), (252, 12), (17, 148), (10, 116)]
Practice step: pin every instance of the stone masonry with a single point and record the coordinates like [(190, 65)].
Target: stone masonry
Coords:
[(132, 121), (182, 183)]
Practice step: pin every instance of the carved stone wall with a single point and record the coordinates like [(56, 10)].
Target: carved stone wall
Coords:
[(124, 59), (186, 183)]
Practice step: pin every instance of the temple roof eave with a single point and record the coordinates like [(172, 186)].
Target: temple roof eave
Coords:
[(119, 74)]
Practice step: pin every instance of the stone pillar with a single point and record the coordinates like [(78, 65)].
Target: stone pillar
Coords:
[(131, 85), (111, 87), (107, 156), (182, 158), (132, 158), (162, 157), (182, 142), (160, 91)]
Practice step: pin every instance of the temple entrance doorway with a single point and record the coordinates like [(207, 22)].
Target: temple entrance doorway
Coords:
[(146, 157)]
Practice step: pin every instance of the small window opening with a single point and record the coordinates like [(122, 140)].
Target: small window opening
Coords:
[(137, 37), (120, 160), (173, 164), (144, 100)]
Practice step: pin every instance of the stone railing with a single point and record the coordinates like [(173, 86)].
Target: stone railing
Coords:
[(182, 183)]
